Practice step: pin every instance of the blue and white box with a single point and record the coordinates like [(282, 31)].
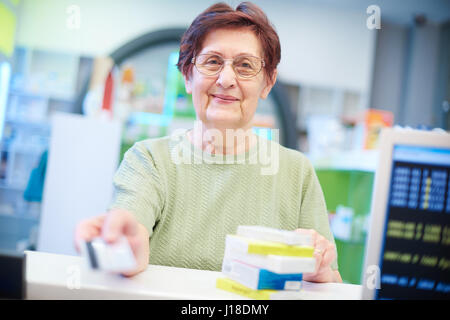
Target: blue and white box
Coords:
[(258, 279)]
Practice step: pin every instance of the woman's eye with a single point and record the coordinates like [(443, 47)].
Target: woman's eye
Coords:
[(244, 65), (213, 61)]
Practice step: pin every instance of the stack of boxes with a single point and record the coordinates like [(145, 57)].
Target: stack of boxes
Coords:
[(265, 263)]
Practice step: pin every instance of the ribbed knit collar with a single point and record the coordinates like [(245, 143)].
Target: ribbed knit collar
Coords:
[(200, 156)]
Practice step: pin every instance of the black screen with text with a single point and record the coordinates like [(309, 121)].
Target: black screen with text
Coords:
[(415, 255)]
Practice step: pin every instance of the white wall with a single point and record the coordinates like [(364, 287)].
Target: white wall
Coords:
[(320, 45), (324, 46), (78, 178)]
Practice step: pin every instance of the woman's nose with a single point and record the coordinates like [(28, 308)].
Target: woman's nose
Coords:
[(227, 77)]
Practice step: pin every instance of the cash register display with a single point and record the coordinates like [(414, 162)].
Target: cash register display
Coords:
[(415, 255)]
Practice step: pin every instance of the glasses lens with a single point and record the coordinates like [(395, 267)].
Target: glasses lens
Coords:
[(244, 66), (209, 64), (247, 66)]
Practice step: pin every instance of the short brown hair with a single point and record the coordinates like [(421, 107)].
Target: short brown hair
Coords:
[(221, 15)]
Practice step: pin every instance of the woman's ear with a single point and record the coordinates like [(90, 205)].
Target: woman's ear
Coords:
[(269, 84), (187, 84)]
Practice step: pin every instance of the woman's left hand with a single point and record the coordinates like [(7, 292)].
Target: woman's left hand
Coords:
[(325, 254)]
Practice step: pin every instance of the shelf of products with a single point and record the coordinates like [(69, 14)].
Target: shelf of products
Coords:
[(320, 101), (41, 83)]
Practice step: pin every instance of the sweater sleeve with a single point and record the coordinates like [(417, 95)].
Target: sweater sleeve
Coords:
[(313, 211), (137, 187)]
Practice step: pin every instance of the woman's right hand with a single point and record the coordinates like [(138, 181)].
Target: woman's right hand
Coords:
[(111, 226)]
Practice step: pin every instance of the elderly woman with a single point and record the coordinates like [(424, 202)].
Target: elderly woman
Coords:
[(176, 198)]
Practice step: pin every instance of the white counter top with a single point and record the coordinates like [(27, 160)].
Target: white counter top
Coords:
[(54, 276)]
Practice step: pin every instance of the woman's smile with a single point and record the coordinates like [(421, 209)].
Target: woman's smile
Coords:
[(224, 99)]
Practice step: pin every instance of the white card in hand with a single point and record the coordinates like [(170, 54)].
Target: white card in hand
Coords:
[(111, 257)]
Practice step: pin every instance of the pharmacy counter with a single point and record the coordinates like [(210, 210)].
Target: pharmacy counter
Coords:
[(54, 276)]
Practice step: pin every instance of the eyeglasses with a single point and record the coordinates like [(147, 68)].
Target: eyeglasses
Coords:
[(244, 66)]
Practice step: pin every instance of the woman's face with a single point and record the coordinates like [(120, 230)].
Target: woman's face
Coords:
[(241, 96)]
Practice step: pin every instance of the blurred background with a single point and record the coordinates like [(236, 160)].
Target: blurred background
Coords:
[(81, 81)]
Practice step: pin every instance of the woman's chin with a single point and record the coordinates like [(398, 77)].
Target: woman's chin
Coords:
[(223, 120), (224, 123)]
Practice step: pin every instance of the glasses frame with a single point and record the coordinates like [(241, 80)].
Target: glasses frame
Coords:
[(194, 60)]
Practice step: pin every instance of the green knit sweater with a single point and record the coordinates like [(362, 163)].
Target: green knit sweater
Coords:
[(189, 200)]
